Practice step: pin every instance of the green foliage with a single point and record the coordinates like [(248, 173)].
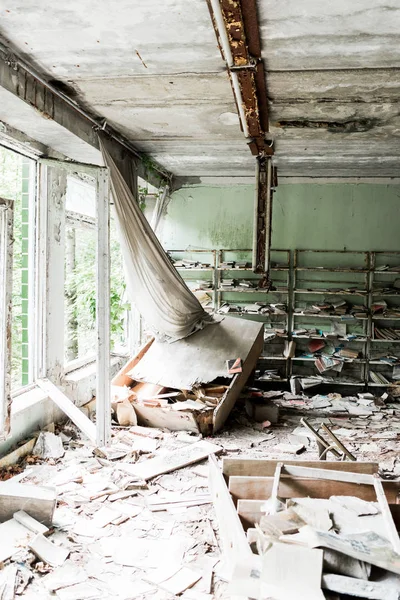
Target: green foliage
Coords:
[(80, 293)]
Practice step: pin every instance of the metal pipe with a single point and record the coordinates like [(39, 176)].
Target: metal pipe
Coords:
[(70, 102), (255, 220), (219, 19), (268, 216)]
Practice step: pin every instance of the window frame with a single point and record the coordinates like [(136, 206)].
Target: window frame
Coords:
[(6, 266)]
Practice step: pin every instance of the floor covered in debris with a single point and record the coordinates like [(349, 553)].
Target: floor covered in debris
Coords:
[(123, 537)]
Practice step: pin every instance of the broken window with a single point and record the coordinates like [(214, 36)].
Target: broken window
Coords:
[(80, 271), (80, 336), (17, 179)]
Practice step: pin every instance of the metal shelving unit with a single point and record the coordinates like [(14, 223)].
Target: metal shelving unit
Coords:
[(383, 279), (340, 278), (299, 279), (238, 296), (196, 256)]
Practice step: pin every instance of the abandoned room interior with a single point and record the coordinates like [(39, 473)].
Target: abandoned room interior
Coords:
[(199, 300)]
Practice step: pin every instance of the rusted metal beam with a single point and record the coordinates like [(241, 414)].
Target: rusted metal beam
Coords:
[(263, 219), (243, 57)]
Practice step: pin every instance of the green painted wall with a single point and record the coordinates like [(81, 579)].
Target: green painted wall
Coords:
[(326, 216)]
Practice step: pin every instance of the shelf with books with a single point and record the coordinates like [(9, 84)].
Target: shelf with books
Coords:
[(195, 266)]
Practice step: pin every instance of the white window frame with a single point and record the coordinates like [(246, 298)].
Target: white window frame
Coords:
[(6, 264), (49, 336)]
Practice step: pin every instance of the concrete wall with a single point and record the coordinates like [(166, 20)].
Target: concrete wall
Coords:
[(316, 216)]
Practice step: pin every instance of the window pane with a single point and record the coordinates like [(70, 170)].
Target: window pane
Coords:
[(15, 184), (119, 305), (80, 291), (81, 197)]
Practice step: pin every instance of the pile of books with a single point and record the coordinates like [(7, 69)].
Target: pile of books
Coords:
[(234, 264), (378, 378), (337, 308), (386, 333), (189, 264)]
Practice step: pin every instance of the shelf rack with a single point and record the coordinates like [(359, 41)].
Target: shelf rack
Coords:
[(280, 272), (301, 279), (197, 256)]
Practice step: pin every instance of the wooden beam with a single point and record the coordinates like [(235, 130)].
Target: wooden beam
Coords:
[(253, 467), (328, 474), (235, 547), (387, 515), (259, 488), (69, 408)]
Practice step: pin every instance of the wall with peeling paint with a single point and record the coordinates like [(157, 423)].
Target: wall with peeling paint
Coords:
[(329, 216)]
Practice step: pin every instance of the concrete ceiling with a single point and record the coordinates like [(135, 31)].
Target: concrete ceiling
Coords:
[(153, 69)]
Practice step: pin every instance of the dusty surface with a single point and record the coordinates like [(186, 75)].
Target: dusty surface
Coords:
[(134, 559)]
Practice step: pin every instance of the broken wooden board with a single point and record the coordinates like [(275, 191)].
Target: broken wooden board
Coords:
[(253, 467), (68, 407), (39, 502), (203, 354), (171, 461), (259, 488), (13, 457), (235, 548)]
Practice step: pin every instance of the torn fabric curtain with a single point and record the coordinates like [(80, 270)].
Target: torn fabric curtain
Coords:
[(155, 287)]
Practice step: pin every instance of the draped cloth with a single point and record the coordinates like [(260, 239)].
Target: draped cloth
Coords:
[(154, 286)]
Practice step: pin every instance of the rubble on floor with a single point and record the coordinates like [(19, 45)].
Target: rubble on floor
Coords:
[(136, 520)]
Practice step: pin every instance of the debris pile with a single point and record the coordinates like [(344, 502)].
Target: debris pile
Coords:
[(309, 547)]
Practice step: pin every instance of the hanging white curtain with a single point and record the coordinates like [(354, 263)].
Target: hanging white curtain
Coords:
[(155, 287)]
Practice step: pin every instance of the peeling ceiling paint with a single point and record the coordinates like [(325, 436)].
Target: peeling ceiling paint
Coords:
[(153, 70)]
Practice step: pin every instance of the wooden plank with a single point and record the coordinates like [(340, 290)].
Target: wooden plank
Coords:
[(229, 399), (103, 385), (39, 502), (175, 420), (204, 354), (69, 408), (233, 538), (387, 515), (253, 467), (250, 512), (327, 474), (122, 378), (259, 488), (13, 457), (173, 460)]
